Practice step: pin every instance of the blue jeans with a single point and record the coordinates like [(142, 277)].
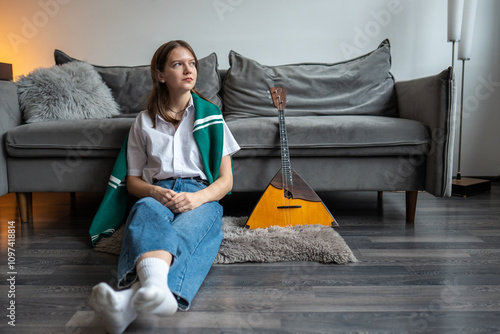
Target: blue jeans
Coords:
[(193, 238)]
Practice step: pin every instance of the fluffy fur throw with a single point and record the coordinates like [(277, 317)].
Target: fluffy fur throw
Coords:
[(273, 244), (71, 91)]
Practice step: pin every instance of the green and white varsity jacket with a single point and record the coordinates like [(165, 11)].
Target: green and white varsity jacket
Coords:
[(208, 133)]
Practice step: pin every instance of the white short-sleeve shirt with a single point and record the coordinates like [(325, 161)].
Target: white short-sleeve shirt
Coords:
[(164, 152)]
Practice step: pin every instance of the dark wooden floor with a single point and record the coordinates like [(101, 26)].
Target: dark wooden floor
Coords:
[(441, 275)]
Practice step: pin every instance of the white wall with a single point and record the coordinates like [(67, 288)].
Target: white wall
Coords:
[(127, 32)]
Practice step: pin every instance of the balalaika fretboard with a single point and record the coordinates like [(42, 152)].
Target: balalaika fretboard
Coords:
[(279, 99), (286, 166)]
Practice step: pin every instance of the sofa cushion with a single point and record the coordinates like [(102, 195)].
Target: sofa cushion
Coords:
[(71, 91), (131, 84), (339, 135), (71, 139), (361, 86)]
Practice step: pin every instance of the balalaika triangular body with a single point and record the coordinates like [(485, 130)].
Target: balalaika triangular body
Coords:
[(288, 200)]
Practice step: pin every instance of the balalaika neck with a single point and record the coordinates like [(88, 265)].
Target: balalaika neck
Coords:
[(286, 167)]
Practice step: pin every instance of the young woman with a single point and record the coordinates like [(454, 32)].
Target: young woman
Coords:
[(179, 166)]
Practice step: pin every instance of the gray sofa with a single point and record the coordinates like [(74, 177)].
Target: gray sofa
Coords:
[(351, 127)]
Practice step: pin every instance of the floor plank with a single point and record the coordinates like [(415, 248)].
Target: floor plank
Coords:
[(439, 275)]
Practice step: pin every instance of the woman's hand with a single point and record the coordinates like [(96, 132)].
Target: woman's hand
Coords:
[(178, 202), (162, 195), (183, 201)]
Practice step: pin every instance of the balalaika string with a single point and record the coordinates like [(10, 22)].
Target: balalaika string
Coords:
[(286, 174)]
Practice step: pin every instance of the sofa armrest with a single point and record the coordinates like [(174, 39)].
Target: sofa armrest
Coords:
[(10, 117), (432, 101)]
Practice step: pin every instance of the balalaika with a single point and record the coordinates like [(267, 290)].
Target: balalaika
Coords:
[(288, 200)]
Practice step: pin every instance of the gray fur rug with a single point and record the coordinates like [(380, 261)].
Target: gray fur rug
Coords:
[(316, 243)]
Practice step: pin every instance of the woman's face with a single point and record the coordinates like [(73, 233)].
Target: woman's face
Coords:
[(179, 72)]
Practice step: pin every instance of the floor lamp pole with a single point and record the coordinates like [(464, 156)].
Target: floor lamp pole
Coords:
[(453, 54), (466, 186), (459, 174)]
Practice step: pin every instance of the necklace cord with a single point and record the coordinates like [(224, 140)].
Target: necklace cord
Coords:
[(176, 112)]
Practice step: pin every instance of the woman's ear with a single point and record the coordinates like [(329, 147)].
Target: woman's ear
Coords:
[(160, 76)]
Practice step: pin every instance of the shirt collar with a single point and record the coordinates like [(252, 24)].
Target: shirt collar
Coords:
[(189, 108)]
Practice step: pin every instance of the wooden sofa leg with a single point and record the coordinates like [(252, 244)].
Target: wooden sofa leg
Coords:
[(72, 201), (25, 203), (380, 202), (411, 205), (30, 206)]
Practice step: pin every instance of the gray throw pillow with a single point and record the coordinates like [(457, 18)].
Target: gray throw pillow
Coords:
[(360, 86), (131, 85), (71, 91)]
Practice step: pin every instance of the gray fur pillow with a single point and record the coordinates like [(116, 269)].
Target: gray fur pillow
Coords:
[(71, 91)]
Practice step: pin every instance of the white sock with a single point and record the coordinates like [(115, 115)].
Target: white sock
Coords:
[(154, 296), (113, 307)]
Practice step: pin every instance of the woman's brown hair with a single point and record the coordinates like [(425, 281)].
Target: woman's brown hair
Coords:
[(159, 97)]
